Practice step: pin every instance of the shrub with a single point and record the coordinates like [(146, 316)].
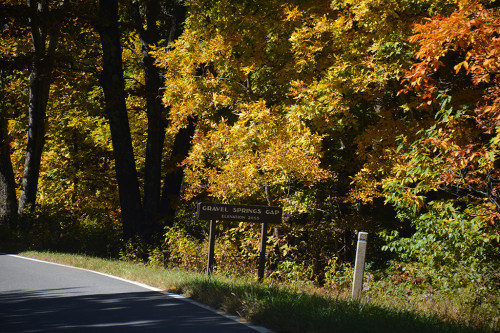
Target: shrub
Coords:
[(184, 251), (338, 275)]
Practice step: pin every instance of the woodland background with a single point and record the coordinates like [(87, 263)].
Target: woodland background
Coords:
[(117, 117)]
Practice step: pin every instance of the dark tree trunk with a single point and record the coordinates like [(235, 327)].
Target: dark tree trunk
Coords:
[(40, 77), (175, 174), (154, 109), (177, 18), (182, 143), (113, 85), (8, 199), (39, 90), (156, 112)]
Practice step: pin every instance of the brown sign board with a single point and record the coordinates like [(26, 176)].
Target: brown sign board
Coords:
[(240, 213)]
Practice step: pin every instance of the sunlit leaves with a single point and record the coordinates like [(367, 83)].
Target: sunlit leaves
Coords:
[(472, 32), (231, 70), (260, 149)]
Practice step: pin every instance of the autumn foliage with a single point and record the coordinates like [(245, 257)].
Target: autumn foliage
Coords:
[(459, 68), (351, 115)]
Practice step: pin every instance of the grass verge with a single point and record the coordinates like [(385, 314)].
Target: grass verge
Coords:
[(278, 307)]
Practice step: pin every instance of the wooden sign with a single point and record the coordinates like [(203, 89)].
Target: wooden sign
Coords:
[(240, 213)]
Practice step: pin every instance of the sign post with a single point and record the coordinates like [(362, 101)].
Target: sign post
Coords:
[(211, 248), (262, 254), (241, 213)]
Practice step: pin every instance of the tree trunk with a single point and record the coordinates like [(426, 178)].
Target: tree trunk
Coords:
[(182, 142), (40, 77), (156, 112), (175, 174), (39, 90), (8, 199), (113, 85)]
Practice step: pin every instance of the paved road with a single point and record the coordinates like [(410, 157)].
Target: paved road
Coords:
[(38, 296)]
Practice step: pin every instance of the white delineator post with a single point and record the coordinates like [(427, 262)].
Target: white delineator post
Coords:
[(359, 266)]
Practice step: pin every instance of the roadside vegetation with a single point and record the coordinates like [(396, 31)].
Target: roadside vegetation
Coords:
[(295, 306)]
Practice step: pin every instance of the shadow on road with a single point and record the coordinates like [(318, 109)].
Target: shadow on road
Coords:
[(49, 311)]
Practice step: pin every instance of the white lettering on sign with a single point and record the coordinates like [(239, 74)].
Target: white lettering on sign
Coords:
[(272, 212), (246, 210), (215, 209)]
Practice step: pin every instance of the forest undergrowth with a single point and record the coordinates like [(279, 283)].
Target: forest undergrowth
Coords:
[(397, 297)]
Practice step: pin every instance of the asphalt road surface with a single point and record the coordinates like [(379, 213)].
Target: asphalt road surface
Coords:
[(37, 296)]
